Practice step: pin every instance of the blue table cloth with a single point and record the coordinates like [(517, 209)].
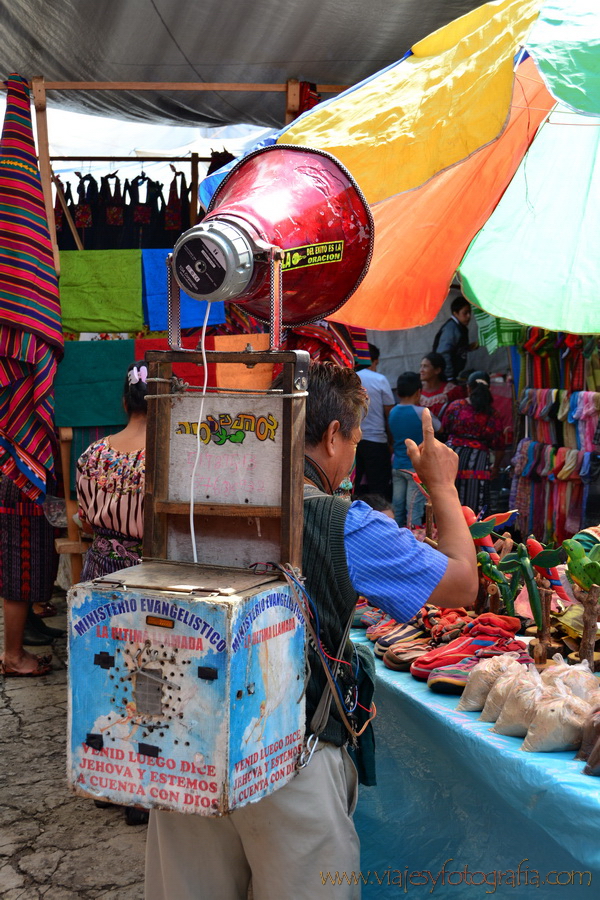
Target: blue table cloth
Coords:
[(449, 789)]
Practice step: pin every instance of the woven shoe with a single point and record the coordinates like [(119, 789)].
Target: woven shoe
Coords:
[(371, 616), (361, 608), (450, 654), (451, 679), (385, 624), (411, 631), (401, 656)]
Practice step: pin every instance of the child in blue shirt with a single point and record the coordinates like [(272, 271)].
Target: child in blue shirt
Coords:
[(405, 422)]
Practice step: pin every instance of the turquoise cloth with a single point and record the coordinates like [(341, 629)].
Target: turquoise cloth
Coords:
[(565, 44), (536, 259), (89, 383), (101, 290)]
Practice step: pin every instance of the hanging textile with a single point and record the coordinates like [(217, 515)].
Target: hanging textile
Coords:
[(101, 290), (494, 332), (64, 235), (90, 381), (145, 214), (177, 210), (111, 214), (86, 209), (154, 297), (30, 327)]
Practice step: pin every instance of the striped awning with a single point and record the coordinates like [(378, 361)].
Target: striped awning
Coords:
[(30, 325)]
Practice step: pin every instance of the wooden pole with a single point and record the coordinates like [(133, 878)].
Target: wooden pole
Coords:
[(493, 593), (182, 86), (292, 106), (73, 544), (428, 519), (589, 599), (544, 640), (39, 101)]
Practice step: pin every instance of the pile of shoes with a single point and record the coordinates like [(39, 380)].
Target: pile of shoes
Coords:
[(432, 628), (488, 634)]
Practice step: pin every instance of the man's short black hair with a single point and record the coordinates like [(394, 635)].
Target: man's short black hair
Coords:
[(334, 392), (408, 384), (376, 502), (459, 303), (373, 352)]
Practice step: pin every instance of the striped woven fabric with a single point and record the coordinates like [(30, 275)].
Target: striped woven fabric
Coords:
[(362, 357), (494, 332), (30, 325)]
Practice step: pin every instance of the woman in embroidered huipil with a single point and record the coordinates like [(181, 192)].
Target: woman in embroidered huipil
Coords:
[(436, 392), (110, 486), (474, 430)]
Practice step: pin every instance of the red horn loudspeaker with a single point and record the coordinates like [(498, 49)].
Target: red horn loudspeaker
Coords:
[(300, 200)]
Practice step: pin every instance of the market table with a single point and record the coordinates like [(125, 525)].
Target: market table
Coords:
[(451, 789)]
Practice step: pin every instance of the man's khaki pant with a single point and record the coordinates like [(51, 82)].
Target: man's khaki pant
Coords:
[(286, 843)]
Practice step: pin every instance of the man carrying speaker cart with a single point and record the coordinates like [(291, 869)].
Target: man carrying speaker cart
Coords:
[(282, 843)]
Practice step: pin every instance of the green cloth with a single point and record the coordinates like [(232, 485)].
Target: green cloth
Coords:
[(494, 332), (89, 383), (536, 259), (565, 43), (101, 290)]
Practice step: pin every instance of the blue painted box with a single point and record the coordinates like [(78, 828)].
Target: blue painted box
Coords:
[(186, 687)]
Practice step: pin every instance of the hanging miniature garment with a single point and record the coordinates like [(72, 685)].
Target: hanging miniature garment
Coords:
[(218, 159), (142, 212), (111, 200), (58, 209), (144, 218), (109, 229), (87, 192), (64, 236), (177, 210)]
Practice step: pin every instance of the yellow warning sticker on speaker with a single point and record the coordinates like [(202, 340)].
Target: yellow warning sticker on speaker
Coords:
[(312, 255)]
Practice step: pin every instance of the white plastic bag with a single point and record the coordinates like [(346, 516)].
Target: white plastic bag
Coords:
[(579, 679), (557, 723), (482, 678), (520, 704), (499, 692)]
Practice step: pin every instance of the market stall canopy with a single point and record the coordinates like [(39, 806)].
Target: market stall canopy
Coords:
[(433, 142), (327, 42), (536, 259), (565, 43)]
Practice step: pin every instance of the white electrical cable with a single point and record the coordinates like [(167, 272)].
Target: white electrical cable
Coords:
[(198, 443)]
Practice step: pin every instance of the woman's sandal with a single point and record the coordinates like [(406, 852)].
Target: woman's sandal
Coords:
[(45, 610), (44, 665)]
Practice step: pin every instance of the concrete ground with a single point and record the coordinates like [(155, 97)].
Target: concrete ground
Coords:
[(54, 845)]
